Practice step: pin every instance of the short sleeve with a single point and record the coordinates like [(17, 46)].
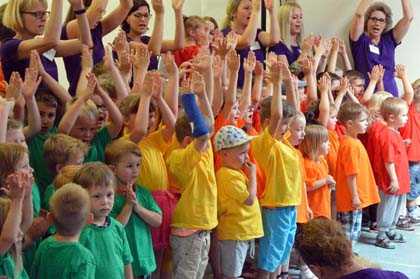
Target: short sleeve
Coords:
[(351, 154), (388, 149), (104, 137), (157, 140), (85, 271), (310, 174), (127, 257), (181, 161)]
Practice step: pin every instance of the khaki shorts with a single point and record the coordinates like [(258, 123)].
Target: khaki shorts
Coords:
[(232, 256), (190, 255)]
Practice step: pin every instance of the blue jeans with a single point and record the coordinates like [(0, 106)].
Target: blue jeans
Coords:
[(414, 182)]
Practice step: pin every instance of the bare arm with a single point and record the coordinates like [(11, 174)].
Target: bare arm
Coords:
[(116, 17), (352, 184), (125, 213), (172, 88), (128, 271), (324, 102), (276, 102), (401, 29), (251, 172), (30, 85), (248, 36), (155, 42), (245, 101), (401, 73), (273, 37), (332, 61), (152, 218), (233, 63), (358, 21), (376, 75), (116, 119)]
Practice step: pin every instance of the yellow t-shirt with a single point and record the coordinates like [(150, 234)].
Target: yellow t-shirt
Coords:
[(280, 164), (194, 171), (237, 221), (153, 173)]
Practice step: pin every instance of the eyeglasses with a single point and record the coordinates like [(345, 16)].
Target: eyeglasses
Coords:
[(146, 16), (381, 20), (38, 15)]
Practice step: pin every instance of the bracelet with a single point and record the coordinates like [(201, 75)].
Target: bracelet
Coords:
[(80, 12)]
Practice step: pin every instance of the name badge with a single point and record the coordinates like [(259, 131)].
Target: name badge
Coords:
[(50, 55), (374, 49), (255, 46)]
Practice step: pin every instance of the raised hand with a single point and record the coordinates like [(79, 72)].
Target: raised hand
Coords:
[(169, 62), (140, 55), (198, 86), (150, 84), (400, 71), (324, 83), (15, 186), (203, 63), (87, 58), (177, 4), (344, 85), (276, 72), (157, 6), (221, 47), (259, 69), (232, 40), (249, 62), (31, 83), (36, 60), (377, 73), (90, 87), (108, 59), (14, 87), (124, 62), (218, 66), (120, 42), (233, 61)]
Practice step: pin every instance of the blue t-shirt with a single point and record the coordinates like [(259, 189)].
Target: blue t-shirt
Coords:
[(373, 273), (366, 55), (257, 47), (291, 54)]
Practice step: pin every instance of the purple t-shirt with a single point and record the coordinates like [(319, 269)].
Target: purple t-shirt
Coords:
[(11, 63), (72, 63), (153, 65), (372, 273), (258, 49), (281, 49), (366, 55)]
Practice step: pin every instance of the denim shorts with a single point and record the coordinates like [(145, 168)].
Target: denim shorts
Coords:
[(414, 181)]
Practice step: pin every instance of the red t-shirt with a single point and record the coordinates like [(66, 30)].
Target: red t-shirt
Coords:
[(412, 131), (392, 150), (185, 54), (372, 143)]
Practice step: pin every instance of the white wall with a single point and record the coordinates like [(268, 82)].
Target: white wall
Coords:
[(324, 17)]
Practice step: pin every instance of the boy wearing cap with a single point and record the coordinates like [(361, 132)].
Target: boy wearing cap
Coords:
[(239, 213)]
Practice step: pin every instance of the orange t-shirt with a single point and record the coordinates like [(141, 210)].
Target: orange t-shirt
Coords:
[(2, 81), (352, 159), (320, 199), (332, 153), (412, 131), (392, 150)]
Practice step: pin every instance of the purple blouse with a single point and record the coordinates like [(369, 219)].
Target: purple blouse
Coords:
[(257, 47), (72, 63), (11, 63), (281, 49), (371, 273), (366, 55)]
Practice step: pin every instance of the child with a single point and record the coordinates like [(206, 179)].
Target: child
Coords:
[(134, 205), (318, 182), (61, 150), (393, 173), (356, 187), (280, 164), (239, 214), (104, 236), (61, 255), (192, 166), (80, 120), (16, 180)]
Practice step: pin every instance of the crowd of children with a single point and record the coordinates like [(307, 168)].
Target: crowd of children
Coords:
[(165, 157)]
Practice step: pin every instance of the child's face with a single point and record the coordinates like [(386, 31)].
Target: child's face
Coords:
[(361, 124), (332, 121), (76, 159), (48, 115), (103, 112), (402, 118), (127, 169), (102, 200), (324, 148), (236, 156), (283, 127), (297, 130), (358, 86), (84, 129), (23, 165), (16, 136)]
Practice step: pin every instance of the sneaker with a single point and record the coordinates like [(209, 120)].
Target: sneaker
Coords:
[(405, 225), (306, 273), (396, 237), (413, 219), (384, 243)]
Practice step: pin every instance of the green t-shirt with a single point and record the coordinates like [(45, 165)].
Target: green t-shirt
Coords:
[(97, 146), (36, 200), (110, 245), (49, 191), (43, 176), (7, 267), (64, 260), (138, 232)]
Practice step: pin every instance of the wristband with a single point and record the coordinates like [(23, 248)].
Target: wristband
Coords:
[(200, 127), (80, 12)]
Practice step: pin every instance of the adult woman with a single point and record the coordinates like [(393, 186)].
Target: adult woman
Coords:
[(325, 248), (291, 31), (241, 18), (99, 27), (28, 19), (136, 24), (373, 39)]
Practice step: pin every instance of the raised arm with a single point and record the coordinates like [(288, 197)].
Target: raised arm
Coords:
[(332, 59), (401, 73), (116, 119), (272, 37), (375, 76), (245, 100), (245, 39), (358, 22), (179, 40), (116, 17), (324, 102), (121, 87), (401, 29), (233, 62), (30, 85), (172, 88), (155, 43), (276, 102)]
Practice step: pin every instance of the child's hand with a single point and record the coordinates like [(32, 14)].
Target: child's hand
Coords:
[(394, 186), (150, 84), (232, 40), (307, 65), (38, 228), (221, 47), (233, 61), (185, 85), (344, 85), (14, 87), (259, 69), (356, 203), (124, 62), (170, 65), (177, 4), (120, 42), (400, 72), (276, 73), (284, 67), (140, 55), (309, 213), (202, 63), (249, 62), (198, 86), (36, 60), (218, 67), (377, 73), (31, 83), (87, 58), (330, 181), (342, 49), (324, 83), (335, 44), (131, 196), (250, 169), (15, 186), (157, 6), (108, 59), (90, 87), (271, 59)]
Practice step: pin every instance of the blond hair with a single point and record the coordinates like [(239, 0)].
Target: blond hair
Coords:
[(88, 110), (119, 148), (70, 206), (10, 155), (59, 148), (284, 14), (65, 175), (416, 87), (315, 136), (95, 174), (298, 118), (377, 99), (231, 8), (12, 17), (129, 105), (392, 106), (350, 111)]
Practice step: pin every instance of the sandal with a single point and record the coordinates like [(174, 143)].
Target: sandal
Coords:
[(396, 237), (404, 224), (384, 243)]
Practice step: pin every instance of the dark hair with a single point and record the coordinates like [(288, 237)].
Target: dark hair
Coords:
[(136, 5), (46, 97), (265, 112), (212, 20), (353, 74)]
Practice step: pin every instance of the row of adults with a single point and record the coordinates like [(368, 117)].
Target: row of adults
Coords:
[(373, 37)]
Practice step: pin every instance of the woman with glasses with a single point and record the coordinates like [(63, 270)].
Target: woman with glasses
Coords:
[(99, 27), (136, 25), (373, 39), (38, 29)]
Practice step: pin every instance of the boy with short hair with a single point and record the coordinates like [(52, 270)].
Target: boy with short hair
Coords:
[(104, 236), (356, 187), (239, 213), (134, 205), (392, 172), (61, 255)]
